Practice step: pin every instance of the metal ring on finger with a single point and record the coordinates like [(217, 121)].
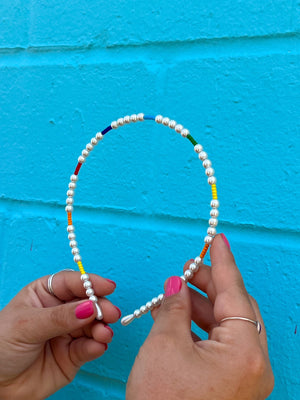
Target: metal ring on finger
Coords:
[(256, 323), (50, 279)]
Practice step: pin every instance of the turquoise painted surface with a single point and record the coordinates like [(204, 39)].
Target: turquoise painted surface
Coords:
[(230, 73)]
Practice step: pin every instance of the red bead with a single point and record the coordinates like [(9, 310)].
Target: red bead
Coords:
[(77, 168)]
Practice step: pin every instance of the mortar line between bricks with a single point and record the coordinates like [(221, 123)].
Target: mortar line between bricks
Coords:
[(130, 219), (153, 53)]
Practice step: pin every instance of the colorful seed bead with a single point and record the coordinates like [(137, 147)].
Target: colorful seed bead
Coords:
[(214, 192), (204, 251), (80, 266)]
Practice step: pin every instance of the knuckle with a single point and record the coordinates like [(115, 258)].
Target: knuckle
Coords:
[(58, 317), (256, 364), (270, 383), (172, 306)]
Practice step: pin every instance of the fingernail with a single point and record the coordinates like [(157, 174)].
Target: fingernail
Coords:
[(84, 310), (110, 330), (110, 281), (173, 286), (119, 311), (106, 346), (225, 240)]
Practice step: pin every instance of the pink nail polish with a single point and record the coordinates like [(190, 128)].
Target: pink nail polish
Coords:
[(110, 330), (84, 310), (110, 281), (106, 346), (225, 240), (173, 286), (119, 311)]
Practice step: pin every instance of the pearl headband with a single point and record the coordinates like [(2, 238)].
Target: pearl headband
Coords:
[(213, 221)]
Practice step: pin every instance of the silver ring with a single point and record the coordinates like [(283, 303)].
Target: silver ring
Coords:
[(50, 279), (256, 323)]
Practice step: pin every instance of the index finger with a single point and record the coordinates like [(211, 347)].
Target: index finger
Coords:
[(232, 298), (68, 286)]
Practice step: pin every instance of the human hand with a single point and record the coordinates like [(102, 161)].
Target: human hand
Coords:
[(45, 339), (233, 364)]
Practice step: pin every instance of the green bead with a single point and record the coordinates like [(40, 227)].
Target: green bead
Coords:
[(191, 139)]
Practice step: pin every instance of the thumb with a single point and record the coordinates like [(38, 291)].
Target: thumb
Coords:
[(174, 315), (60, 320)]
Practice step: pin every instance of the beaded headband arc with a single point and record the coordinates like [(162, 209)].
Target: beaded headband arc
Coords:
[(214, 212)]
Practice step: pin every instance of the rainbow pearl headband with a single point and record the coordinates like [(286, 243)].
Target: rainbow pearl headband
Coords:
[(214, 213)]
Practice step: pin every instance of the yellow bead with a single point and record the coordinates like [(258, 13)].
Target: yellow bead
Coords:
[(214, 192), (80, 266)]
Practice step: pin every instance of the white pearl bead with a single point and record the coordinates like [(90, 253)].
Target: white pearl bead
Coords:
[(71, 236), (208, 239), (185, 132), (213, 222), (198, 148), (211, 231), (133, 118), (89, 147), (214, 203), (93, 298), (178, 128), (126, 119), (89, 292), (120, 121), (70, 228), (214, 213), (209, 171), (183, 278), (73, 243), (127, 320), (94, 141), (166, 121), (99, 316), (137, 313), (188, 274), (77, 258), (149, 305), (172, 124), (143, 309), (206, 163), (84, 153), (70, 200), (202, 156), (87, 284), (70, 193), (154, 301), (140, 117), (72, 185), (212, 180), (99, 136), (114, 125), (84, 277), (75, 251), (193, 267), (160, 297), (69, 209), (81, 159), (197, 260), (74, 178), (159, 119)]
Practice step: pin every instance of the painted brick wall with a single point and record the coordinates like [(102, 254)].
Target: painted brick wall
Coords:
[(229, 71)]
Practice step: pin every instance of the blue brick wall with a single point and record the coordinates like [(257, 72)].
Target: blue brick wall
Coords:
[(229, 71)]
